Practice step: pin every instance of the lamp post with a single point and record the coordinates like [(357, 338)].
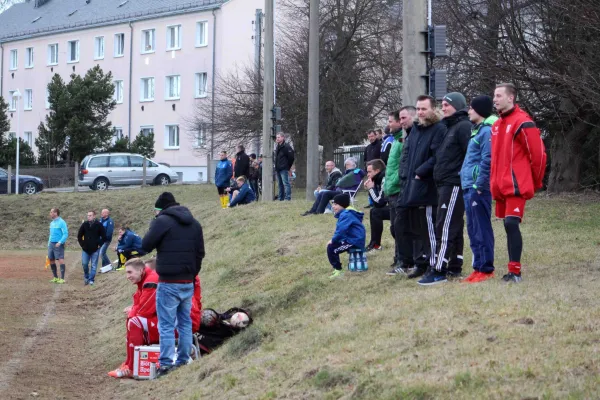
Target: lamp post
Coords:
[(17, 95)]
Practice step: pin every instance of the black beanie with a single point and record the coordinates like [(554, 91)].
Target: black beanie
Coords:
[(165, 200), (483, 105), (342, 199)]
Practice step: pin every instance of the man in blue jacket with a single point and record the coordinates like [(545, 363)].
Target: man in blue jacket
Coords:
[(109, 227), (129, 246), (223, 174), (243, 195), (56, 244), (349, 232), (475, 180)]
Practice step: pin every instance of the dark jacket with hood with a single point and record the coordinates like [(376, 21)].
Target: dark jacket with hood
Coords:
[(419, 158), (284, 157), (376, 192), (350, 228), (242, 165), (179, 243), (372, 152), (91, 236), (245, 196), (386, 146), (332, 178), (451, 153)]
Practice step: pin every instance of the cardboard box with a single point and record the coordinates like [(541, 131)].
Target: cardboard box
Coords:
[(143, 357)]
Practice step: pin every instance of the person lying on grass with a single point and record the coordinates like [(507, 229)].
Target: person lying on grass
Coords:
[(350, 232)]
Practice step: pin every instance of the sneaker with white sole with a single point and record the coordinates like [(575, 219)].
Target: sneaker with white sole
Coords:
[(337, 273)]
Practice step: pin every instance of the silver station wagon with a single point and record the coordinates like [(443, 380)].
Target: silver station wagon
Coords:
[(99, 171)]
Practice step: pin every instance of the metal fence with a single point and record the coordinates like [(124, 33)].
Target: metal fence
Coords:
[(342, 153), (53, 177)]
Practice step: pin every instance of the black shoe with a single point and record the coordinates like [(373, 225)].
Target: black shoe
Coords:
[(416, 272), (162, 371), (433, 277), (453, 275), (307, 213), (395, 264), (399, 269), (373, 247), (512, 277)]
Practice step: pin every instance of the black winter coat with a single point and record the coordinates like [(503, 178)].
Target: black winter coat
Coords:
[(451, 153), (91, 236), (332, 179), (179, 243), (419, 158), (242, 165), (284, 157), (372, 152)]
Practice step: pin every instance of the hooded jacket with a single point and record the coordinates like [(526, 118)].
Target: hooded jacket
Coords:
[(386, 146), (349, 228), (475, 171), (223, 173), (284, 157), (109, 228), (130, 241), (332, 178), (518, 156), (144, 298), (376, 193), (372, 152), (179, 243), (419, 158), (245, 196), (91, 236), (391, 185), (242, 165), (451, 153)]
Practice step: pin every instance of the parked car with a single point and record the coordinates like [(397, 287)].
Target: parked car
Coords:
[(27, 184), (99, 171)]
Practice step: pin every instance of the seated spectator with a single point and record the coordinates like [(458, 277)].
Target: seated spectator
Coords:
[(128, 246), (349, 181), (349, 232), (243, 195), (142, 321), (380, 211)]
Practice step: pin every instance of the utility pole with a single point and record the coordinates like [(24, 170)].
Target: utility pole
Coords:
[(312, 146), (268, 103), (258, 26), (414, 60)]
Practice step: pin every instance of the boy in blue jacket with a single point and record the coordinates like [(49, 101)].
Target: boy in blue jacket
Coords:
[(243, 194), (349, 232), (129, 246), (223, 174)]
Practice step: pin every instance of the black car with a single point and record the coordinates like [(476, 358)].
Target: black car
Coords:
[(27, 184)]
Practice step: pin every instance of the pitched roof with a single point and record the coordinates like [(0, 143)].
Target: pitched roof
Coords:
[(24, 19)]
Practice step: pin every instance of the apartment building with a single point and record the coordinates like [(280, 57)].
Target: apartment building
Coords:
[(164, 56)]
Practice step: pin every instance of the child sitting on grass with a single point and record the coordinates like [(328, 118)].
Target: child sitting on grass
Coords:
[(349, 232)]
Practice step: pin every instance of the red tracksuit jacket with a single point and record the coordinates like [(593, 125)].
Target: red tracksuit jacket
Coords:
[(144, 299), (196, 305), (518, 156)]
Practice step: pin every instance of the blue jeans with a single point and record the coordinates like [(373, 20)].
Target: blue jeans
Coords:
[(317, 195), (89, 275), (103, 256), (283, 181), (173, 307)]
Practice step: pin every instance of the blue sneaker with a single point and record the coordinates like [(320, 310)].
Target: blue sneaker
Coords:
[(433, 278)]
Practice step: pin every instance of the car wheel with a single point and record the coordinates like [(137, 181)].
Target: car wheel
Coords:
[(163, 180), (30, 188), (101, 184)]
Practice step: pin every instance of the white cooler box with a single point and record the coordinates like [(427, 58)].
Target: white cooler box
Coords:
[(143, 358)]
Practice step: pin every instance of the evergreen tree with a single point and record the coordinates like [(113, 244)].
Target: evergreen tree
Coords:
[(120, 146), (8, 146), (144, 145)]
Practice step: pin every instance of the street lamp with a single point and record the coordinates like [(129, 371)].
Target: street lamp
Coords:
[(17, 95)]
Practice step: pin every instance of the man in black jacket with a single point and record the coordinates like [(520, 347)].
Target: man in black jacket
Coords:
[(373, 149), (91, 237), (242, 163), (179, 243), (416, 176), (446, 174), (380, 211), (284, 159)]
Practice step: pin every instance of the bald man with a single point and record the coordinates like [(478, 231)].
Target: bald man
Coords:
[(109, 227)]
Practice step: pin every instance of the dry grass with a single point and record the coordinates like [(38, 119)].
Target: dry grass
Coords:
[(368, 336)]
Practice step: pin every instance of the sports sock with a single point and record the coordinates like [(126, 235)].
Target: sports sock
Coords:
[(62, 271), (53, 267)]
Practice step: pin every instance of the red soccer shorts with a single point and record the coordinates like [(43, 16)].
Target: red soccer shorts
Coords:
[(510, 207)]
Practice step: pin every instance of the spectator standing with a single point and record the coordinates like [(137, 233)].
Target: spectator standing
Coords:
[(253, 177), (91, 237), (379, 134), (178, 240), (284, 159), (223, 173), (372, 152), (59, 234), (109, 227), (242, 163), (387, 142), (380, 211)]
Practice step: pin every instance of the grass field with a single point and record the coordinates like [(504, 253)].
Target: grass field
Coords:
[(361, 337)]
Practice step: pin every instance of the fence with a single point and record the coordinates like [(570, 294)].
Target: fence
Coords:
[(342, 153), (53, 177)]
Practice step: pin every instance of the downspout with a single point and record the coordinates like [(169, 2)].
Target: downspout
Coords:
[(214, 52), (130, 73), (1, 69)]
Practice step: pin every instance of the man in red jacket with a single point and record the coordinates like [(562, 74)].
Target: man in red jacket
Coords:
[(517, 169), (142, 322)]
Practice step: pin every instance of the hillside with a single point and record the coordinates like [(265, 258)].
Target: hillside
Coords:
[(361, 337)]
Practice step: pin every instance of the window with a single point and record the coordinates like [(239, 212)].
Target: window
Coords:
[(174, 37), (136, 161), (201, 84), (118, 161), (28, 99), (73, 51), (53, 54), (148, 41), (119, 44), (146, 130), (172, 137), (200, 138), (118, 96), (29, 57), (172, 87), (147, 89), (117, 135), (99, 48), (202, 34), (98, 162), (13, 101), (47, 98), (29, 138), (14, 60)]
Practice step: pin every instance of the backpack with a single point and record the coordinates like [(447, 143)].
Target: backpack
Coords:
[(215, 329)]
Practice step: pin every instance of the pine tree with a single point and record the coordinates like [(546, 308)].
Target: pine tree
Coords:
[(8, 146), (144, 145)]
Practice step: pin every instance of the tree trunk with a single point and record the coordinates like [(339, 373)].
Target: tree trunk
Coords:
[(565, 159), (300, 159)]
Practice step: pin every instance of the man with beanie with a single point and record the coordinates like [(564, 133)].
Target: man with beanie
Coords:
[(449, 222), (475, 182), (349, 232), (518, 168), (179, 243)]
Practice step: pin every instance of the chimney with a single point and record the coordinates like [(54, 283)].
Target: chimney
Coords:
[(39, 3)]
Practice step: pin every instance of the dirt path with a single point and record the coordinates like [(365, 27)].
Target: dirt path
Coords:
[(46, 331)]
